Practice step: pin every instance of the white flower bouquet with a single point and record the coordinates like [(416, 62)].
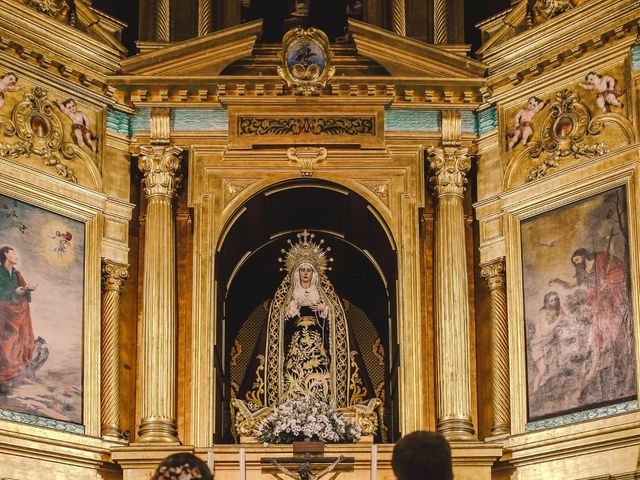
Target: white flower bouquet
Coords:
[(307, 418)]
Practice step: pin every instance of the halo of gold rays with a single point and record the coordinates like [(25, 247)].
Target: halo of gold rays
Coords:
[(306, 251)]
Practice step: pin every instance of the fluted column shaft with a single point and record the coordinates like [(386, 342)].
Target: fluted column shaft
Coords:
[(449, 166), (398, 17), (113, 278), (205, 17), (160, 165), (161, 21), (493, 273)]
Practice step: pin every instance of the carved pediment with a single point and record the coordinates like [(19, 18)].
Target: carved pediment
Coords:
[(524, 15), (211, 54), (80, 15), (206, 55), (403, 56)]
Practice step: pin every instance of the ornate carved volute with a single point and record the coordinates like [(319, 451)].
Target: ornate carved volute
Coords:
[(493, 273), (450, 166), (114, 275), (161, 168)]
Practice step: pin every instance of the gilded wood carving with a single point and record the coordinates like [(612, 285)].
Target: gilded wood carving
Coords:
[(305, 61), (364, 125)]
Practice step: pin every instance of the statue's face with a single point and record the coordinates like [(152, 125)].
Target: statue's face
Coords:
[(306, 273)]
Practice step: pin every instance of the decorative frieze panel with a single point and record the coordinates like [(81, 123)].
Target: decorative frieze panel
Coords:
[(325, 124), (260, 126)]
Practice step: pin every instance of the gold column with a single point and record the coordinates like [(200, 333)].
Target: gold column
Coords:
[(449, 166), (161, 22), (205, 17), (160, 165), (113, 277), (494, 275), (398, 18), (440, 22)]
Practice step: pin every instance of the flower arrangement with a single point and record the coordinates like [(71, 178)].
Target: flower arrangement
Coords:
[(307, 418)]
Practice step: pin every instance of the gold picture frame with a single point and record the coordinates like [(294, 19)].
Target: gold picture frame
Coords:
[(543, 198), (44, 191)]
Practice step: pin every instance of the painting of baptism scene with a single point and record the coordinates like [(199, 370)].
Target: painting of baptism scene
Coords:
[(41, 311), (579, 333)]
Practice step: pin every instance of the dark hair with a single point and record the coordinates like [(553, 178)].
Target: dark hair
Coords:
[(586, 77), (68, 101), (175, 466), (9, 73), (3, 253), (537, 99), (547, 297), (584, 253), (422, 455)]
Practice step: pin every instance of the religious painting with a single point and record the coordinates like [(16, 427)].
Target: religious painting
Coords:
[(577, 301), (41, 312), (305, 57)]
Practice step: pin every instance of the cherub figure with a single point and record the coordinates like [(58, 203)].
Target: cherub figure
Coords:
[(523, 122), (81, 125), (605, 86), (8, 84)]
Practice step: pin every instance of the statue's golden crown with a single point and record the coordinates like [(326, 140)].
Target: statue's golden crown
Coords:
[(306, 251)]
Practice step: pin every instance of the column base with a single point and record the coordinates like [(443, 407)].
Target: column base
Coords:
[(111, 431), (456, 429), (158, 430), (501, 429)]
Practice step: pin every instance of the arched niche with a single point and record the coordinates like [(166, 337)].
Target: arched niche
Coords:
[(364, 274)]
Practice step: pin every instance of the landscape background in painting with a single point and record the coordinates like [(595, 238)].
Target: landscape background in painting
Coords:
[(579, 333), (50, 252)]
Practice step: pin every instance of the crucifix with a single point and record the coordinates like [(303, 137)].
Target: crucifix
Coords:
[(305, 465)]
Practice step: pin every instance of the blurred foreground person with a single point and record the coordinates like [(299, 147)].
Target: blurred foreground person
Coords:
[(422, 456), (182, 466)]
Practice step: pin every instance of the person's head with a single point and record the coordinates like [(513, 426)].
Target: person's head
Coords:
[(581, 255), (305, 274), (10, 78), (551, 301), (534, 102), (70, 103), (422, 455), (182, 466), (592, 77), (8, 254)]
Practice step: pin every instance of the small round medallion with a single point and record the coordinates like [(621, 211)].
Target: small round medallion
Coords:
[(39, 126), (563, 126)]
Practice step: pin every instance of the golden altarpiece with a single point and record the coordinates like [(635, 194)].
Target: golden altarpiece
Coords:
[(482, 218)]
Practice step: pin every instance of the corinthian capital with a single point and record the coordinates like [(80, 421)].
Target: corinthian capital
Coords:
[(449, 166), (114, 275), (161, 168), (493, 273)]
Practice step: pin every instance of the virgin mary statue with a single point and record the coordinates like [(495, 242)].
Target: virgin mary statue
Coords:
[(307, 343)]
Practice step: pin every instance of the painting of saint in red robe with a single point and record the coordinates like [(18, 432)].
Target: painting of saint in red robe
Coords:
[(17, 343), (579, 319), (41, 313)]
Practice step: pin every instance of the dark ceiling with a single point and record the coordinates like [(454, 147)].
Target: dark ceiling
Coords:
[(474, 12)]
